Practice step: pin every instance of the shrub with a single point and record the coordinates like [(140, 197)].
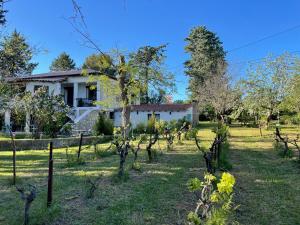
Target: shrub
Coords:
[(103, 125), (66, 129), (140, 129), (150, 129)]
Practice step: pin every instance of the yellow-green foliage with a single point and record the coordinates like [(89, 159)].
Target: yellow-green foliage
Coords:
[(219, 199)]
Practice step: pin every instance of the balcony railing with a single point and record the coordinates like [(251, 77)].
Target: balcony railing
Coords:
[(84, 102)]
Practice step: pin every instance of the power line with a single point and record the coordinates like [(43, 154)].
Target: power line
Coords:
[(264, 38), (259, 59)]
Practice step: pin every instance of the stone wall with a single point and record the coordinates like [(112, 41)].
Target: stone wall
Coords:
[(41, 144)]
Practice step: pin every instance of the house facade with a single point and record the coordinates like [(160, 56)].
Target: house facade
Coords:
[(166, 112), (75, 88)]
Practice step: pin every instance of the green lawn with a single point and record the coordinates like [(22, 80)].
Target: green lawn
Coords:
[(267, 190)]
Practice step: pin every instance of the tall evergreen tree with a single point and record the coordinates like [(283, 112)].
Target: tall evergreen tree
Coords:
[(15, 56), (63, 63), (207, 57), (2, 13)]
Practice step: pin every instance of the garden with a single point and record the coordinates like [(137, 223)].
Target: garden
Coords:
[(75, 150), (90, 191)]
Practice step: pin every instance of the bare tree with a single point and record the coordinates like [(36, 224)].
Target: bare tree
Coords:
[(218, 93)]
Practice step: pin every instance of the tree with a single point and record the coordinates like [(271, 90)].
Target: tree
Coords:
[(15, 56), (217, 93), (48, 112), (267, 84), (126, 85), (148, 61), (101, 63), (291, 102), (2, 13), (62, 63), (207, 56)]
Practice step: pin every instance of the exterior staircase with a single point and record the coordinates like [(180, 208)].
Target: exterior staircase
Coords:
[(85, 122)]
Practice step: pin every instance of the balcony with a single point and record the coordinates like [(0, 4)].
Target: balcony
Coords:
[(85, 102)]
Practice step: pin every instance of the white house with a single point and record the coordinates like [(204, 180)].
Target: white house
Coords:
[(76, 91), (165, 112)]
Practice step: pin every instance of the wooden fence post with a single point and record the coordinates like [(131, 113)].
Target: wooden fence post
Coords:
[(80, 143), (14, 155), (50, 175)]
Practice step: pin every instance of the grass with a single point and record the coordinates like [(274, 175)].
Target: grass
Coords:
[(267, 190), (268, 186)]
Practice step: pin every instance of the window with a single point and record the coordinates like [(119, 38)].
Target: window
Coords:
[(36, 87), (170, 113), (137, 112), (91, 93), (111, 115), (157, 116)]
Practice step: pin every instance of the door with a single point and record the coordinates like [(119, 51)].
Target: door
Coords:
[(69, 95)]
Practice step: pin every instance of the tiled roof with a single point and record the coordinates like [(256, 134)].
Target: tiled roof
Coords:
[(159, 107), (53, 75)]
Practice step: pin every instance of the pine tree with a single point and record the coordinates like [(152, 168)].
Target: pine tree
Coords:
[(2, 13), (63, 63), (207, 56), (15, 56)]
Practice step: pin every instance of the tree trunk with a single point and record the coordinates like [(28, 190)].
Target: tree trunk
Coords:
[(122, 162), (28, 197), (149, 154), (260, 131), (124, 96), (26, 213), (135, 156), (269, 117)]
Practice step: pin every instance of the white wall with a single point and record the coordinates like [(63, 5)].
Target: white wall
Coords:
[(142, 117), (82, 81), (53, 87)]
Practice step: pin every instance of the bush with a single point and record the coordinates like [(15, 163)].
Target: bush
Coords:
[(140, 128), (103, 126), (150, 129)]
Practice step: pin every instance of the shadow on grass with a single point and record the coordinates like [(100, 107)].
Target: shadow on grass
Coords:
[(154, 193), (265, 184)]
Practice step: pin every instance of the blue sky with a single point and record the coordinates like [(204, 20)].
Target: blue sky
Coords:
[(129, 24)]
